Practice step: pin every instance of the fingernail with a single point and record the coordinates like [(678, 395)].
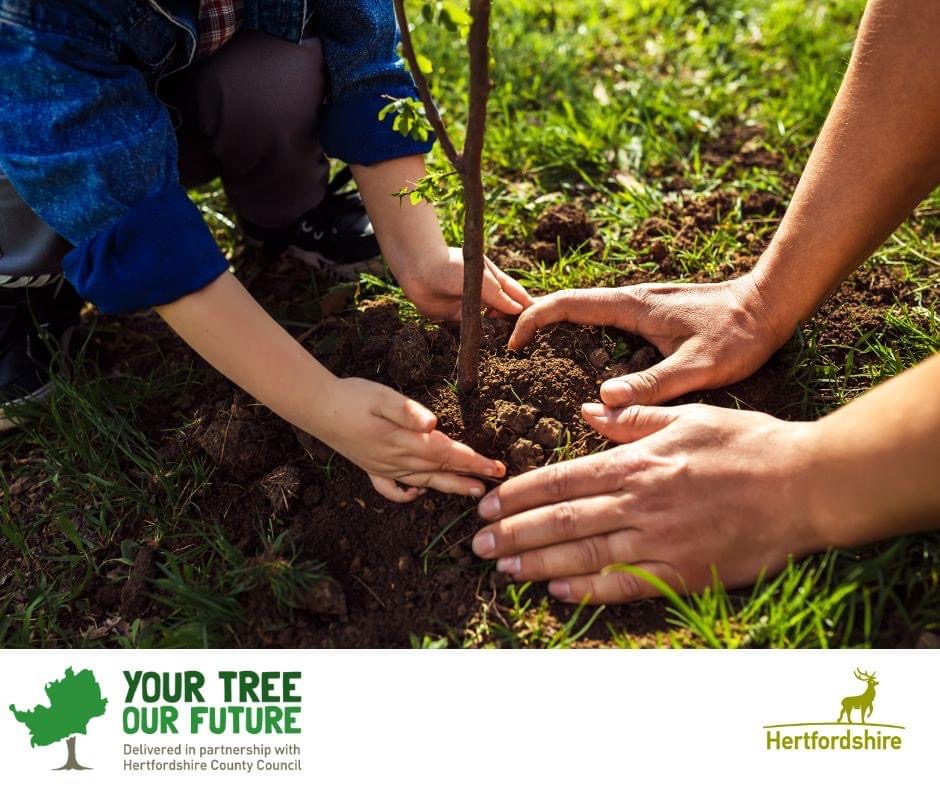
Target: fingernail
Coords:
[(618, 391), (484, 544), (509, 566), (499, 469), (560, 589), (593, 409), (489, 508), (477, 492)]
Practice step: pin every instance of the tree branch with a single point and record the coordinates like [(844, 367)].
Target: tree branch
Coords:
[(424, 91)]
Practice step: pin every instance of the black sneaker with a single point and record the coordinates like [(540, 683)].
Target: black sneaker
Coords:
[(336, 237), (32, 319)]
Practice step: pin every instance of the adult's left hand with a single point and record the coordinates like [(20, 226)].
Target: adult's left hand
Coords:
[(691, 487)]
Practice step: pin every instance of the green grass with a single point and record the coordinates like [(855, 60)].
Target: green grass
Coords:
[(593, 99)]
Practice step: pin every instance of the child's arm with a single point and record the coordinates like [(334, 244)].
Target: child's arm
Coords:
[(430, 273), (360, 44), (389, 436)]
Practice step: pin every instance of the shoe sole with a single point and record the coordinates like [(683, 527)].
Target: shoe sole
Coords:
[(318, 264), (40, 395), (322, 265)]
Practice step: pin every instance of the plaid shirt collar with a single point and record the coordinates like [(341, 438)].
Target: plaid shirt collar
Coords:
[(219, 20)]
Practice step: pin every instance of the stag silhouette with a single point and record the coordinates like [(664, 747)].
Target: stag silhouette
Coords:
[(864, 702)]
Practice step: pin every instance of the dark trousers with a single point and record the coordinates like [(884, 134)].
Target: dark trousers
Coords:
[(247, 114)]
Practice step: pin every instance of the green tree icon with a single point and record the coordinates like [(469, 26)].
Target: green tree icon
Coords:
[(74, 700)]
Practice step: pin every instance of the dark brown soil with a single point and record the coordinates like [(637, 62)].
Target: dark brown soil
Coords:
[(392, 584), (526, 412), (563, 228), (735, 150), (401, 570), (394, 570)]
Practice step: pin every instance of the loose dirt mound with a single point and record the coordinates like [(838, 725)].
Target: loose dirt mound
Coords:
[(561, 229), (566, 225)]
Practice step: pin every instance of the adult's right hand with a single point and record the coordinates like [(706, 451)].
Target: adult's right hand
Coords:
[(711, 334)]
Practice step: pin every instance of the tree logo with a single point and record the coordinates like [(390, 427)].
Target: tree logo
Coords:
[(74, 701)]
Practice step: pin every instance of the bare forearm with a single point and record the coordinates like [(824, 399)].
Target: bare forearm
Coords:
[(875, 463), (389, 436), (231, 331), (876, 158), (406, 232)]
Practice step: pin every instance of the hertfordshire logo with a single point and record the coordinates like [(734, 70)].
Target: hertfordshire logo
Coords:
[(74, 701), (865, 702), (859, 735)]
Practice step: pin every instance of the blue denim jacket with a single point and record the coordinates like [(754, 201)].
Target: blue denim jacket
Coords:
[(91, 149)]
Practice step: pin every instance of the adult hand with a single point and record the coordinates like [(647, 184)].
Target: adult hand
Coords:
[(711, 334), (692, 487)]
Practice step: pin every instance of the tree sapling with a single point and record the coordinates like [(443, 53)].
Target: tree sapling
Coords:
[(468, 165)]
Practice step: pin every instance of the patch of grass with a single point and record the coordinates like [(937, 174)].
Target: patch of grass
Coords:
[(522, 619), (836, 599), (98, 487), (93, 477), (206, 589)]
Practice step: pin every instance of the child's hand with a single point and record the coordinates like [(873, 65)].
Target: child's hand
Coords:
[(394, 440), (435, 286), (413, 245)]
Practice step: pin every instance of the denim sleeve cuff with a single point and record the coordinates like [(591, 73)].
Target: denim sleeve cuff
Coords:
[(156, 253), (351, 131)]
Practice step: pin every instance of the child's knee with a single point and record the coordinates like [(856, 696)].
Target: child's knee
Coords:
[(260, 87)]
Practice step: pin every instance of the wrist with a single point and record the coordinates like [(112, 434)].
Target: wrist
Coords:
[(418, 268), (771, 300), (789, 287), (406, 232), (771, 322), (322, 416), (832, 504), (806, 495)]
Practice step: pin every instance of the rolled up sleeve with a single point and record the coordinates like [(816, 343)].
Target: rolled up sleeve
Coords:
[(93, 152), (360, 44), (157, 252)]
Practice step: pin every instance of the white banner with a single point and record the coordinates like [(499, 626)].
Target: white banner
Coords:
[(458, 718)]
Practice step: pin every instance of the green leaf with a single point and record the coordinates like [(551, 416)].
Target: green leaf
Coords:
[(457, 14), (424, 63), (70, 529)]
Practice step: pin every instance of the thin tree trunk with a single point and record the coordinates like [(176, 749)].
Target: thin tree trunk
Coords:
[(469, 166), (471, 328), (71, 763)]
